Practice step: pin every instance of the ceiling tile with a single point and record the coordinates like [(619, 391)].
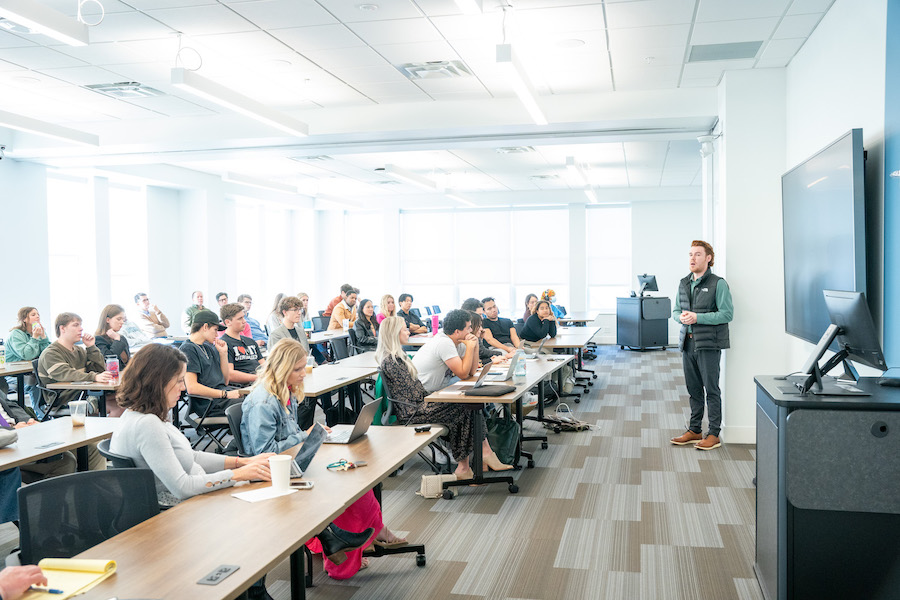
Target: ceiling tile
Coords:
[(526, 24), (402, 31), (38, 57), (700, 83), (346, 58), (647, 77), (320, 37), (280, 14), (243, 45), (637, 38), (471, 27), (147, 73), (715, 68), (171, 106), (107, 53), (773, 63), (202, 20), (70, 8), (809, 6), (725, 32), (647, 13), (371, 74), (724, 10), (83, 75), (649, 55), (797, 26), (120, 27), (11, 40), (399, 54), (451, 86), (405, 91), (782, 48), (349, 12)]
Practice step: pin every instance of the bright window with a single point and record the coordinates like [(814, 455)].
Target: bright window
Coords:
[(608, 256), (127, 243), (72, 249)]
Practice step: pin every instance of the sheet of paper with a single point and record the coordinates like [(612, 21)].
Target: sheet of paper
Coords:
[(262, 494)]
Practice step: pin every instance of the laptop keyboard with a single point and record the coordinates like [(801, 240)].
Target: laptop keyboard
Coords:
[(339, 436)]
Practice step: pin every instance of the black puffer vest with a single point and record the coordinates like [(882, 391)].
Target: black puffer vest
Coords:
[(703, 300)]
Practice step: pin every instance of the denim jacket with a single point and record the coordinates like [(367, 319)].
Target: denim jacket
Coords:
[(266, 426)]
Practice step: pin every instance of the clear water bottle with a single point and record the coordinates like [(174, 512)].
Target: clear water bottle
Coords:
[(520, 364), (2, 352), (112, 365)]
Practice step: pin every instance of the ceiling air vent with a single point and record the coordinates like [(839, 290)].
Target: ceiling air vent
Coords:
[(434, 69), (8, 25), (733, 51), (316, 157), (125, 89), (514, 149)]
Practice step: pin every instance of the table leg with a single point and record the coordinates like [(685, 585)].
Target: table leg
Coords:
[(298, 580), (476, 462), (81, 458), (342, 413), (102, 403), (539, 418), (20, 382)]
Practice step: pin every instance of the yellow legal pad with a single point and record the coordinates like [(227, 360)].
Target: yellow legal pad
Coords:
[(72, 576)]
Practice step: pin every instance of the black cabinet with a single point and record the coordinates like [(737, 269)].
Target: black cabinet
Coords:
[(643, 323)]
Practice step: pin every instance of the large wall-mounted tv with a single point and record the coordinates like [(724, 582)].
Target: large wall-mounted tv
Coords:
[(823, 207)]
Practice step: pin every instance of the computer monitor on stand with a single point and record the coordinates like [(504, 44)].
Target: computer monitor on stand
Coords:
[(857, 340), (647, 283)]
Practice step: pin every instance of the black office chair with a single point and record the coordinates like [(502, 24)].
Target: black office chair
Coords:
[(354, 344), (340, 348), (415, 311), (234, 414), (320, 323), (321, 313), (428, 310), (520, 325), (63, 516), (436, 309), (49, 398), (118, 460)]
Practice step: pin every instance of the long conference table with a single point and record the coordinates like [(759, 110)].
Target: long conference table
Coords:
[(165, 557), (18, 370), (43, 440)]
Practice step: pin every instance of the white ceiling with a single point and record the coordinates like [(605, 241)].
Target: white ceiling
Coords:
[(333, 64)]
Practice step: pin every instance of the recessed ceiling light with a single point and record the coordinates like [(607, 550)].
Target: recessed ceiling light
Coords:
[(570, 43), (514, 150), (278, 65), (15, 27), (544, 177), (368, 7), (26, 80)]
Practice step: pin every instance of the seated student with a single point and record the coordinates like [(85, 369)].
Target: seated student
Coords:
[(473, 305), (149, 318), (188, 315), (290, 323), (530, 303), (304, 307), (243, 352), (269, 424), (413, 323), (16, 581), (550, 296), (345, 289), (108, 339), (275, 317), (208, 368), (344, 310), (486, 354), (13, 416), (540, 324), (222, 299), (150, 388), (452, 352), (366, 327), (387, 308), (256, 330), (64, 361), (499, 332), (405, 383), (26, 341)]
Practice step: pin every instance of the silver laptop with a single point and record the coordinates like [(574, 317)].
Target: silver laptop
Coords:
[(487, 376), (344, 434), (534, 352)]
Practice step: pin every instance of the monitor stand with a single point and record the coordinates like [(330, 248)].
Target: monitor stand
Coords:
[(818, 384)]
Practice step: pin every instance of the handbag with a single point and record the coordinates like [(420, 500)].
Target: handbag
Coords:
[(503, 436), (433, 485)]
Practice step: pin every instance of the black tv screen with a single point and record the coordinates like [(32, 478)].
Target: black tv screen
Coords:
[(823, 208)]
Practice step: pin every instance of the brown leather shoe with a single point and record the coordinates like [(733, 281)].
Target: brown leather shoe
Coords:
[(688, 437), (710, 442)]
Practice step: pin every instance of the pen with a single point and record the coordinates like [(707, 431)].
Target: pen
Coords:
[(47, 590)]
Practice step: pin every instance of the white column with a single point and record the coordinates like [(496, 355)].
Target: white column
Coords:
[(167, 254), (578, 289), (748, 237), (101, 233)]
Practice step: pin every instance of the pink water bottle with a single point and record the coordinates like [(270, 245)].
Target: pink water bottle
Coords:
[(434, 324), (112, 365)]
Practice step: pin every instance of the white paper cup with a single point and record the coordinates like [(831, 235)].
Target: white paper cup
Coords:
[(346, 324), (78, 411), (280, 468)]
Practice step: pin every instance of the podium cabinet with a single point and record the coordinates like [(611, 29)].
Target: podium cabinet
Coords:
[(642, 323)]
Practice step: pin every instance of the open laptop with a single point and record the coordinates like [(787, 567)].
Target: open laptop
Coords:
[(534, 352), (302, 454), (344, 434), (486, 375)]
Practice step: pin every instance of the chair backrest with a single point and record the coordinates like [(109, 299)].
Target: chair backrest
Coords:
[(47, 396), (339, 348), (354, 343), (428, 310), (65, 515), (321, 313), (320, 323), (436, 309), (415, 311), (119, 461), (234, 414), (520, 325)]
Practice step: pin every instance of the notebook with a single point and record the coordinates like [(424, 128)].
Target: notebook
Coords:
[(72, 576)]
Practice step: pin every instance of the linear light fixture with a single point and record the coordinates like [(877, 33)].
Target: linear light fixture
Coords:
[(575, 168), (47, 21), (591, 195), (27, 124), (515, 74), (214, 92), (260, 183), (470, 7), (455, 196), (410, 178)]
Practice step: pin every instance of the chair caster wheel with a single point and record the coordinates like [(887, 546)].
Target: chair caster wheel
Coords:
[(420, 560), (577, 400), (595, 376), (513, 488), (556, 430), (590, 384), (530, 463), (621, 347), (544, 445), (446, 495)]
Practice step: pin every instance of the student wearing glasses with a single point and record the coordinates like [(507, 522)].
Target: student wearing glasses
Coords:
[(291, 326)]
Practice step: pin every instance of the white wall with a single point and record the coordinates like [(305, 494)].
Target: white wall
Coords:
[(834, 84), (661, 234)]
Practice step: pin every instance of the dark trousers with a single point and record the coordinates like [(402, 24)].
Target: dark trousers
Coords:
[(701, 376)]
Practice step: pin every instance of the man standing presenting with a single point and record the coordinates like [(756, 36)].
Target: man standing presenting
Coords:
[(703, 307)]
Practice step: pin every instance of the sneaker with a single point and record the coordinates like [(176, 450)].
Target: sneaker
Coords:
[(710, 442), (688, 437)]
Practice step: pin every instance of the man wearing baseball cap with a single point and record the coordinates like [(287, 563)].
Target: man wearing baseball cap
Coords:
[(208, 369)]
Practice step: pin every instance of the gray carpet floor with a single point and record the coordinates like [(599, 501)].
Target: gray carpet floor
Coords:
[(615, 512)]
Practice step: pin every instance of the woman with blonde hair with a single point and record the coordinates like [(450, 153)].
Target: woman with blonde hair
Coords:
[(387, 308), (269, 424), (402, 379)]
